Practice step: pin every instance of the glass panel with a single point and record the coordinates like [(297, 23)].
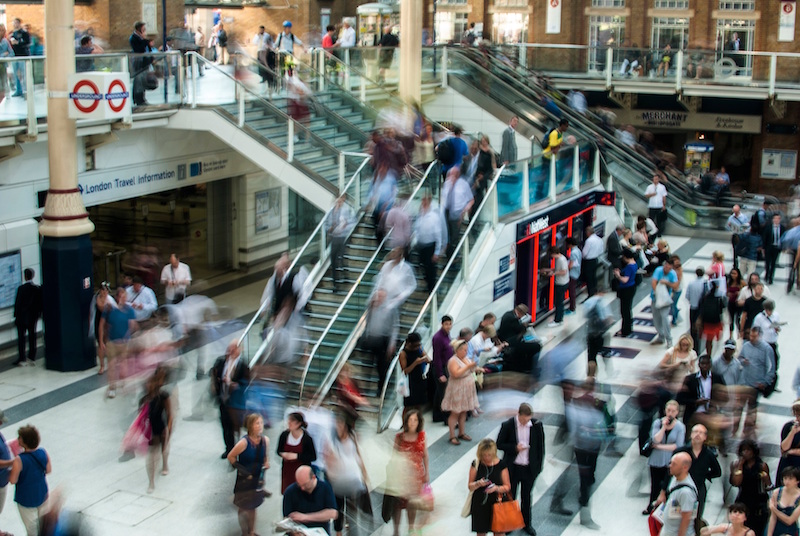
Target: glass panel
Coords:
[(788, 72), (216, 86), (586, 157), (538, 181), (734, 36), (509, 189), (604, 32), (564, 169)]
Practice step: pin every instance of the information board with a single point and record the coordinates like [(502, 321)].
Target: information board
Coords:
[(778, 164), (10, 277)]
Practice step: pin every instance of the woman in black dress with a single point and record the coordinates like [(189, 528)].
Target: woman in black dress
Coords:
[(488, 476), (413, 359), (751, 475), (790, 442), (250, 459)]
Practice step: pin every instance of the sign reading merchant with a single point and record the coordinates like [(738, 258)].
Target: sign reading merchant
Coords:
[(668, 119)]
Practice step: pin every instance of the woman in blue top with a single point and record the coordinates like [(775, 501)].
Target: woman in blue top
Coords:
[(29, 474), (626, 289), (785, 505)]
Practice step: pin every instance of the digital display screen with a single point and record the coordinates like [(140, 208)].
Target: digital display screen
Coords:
[(10, 277)]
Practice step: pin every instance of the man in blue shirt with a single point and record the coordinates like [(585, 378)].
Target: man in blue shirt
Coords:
[(119, 323), (310, 501), (663, 275), (459, 148)]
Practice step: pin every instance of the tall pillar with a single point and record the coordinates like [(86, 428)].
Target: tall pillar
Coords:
[(411, 50), (65, 227)]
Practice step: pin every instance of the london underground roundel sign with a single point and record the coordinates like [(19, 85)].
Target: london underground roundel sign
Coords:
[(86, 91), (117, 95)]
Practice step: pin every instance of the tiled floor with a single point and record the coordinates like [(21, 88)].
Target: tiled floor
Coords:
[(82, 432)]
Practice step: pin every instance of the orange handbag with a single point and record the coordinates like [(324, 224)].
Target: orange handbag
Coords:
[(506, 515)]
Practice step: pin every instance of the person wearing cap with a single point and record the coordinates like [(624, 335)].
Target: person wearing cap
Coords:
[(461, 396), (758, 362), (521, 355), (286, 41), (728, 367)]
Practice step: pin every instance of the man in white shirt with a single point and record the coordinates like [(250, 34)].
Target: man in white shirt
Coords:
[(429, 230), (736, 225), (458, 201), (396, 278), (592, 249), (287, 40), (341, 221), (560, 273), (348, 37), (263, 42), (770, 323), (142, 299), (656, 195), (481, 344), (176, 278), (283, 285)]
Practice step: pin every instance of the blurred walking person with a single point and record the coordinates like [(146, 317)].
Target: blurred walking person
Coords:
[(458, 201), (347, 475), (429, 231), (396, 278), (341, 221), (380, 333), (160, 414), (250, 458)]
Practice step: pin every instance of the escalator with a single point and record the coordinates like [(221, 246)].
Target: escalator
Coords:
[(476, 74)]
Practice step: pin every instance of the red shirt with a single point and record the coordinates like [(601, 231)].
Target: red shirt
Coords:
[(327, 41)]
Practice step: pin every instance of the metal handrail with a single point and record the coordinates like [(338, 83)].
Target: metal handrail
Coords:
[(391, 96), (432, 295), (341, 307), (306, 245), (322, 143)]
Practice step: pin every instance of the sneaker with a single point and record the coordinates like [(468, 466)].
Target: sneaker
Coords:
[(111, 393), (555, 324), (20, 363), (569, 312)]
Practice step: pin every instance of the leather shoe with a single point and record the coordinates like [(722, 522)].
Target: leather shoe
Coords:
[(559, 509), (224, 455), (529, 530)]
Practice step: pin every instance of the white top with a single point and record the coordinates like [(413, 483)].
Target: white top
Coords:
[(348, 38), (428, 229), (144, 302), (478, 346), (561, 265), (262, 41), (768, 325), (398, 280), (524, 439), (177, 280), (285, 43), (747, 293), (292, 441), (341, 220), (298, 289), (656, 201), (456, 201), (593, 247)]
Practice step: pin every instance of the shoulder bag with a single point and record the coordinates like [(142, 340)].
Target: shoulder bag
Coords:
[(662, 297), (506, 515)]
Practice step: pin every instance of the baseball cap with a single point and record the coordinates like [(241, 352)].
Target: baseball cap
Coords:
[(730, 344), (287, 23)]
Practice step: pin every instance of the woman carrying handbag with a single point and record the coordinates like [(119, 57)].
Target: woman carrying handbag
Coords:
[(488, 482)]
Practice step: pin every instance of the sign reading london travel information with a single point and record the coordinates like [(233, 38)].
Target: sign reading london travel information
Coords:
[(99, 95)]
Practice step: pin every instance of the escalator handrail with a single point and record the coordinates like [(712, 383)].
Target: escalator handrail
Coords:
[(319, 141), (306, 245), (329, 55), (596, 130), (424, 310), (327, 381)]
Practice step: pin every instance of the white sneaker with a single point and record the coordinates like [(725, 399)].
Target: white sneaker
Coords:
[(555, 324)]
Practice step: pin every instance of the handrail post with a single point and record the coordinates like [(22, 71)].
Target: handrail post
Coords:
[(358, 191), (526, 187), (678, 71), (465, 258), (552, 178), (195, 65), (323, 246), (495, 208), (609, 66), (576, 168), (773, 73), (290, 140), (523, 55), (240, 99), (30, 88), (342, 158), (363, 90), (434, 312), (444, 66), (321, 67), (596, 173), (610, 183), (181, 76), (347, 69)]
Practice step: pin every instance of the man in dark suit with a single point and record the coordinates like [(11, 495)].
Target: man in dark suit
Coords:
[(521, 439), (614, 248), (698, 394), (771, 238), (27, 310), (229, 377), (508, 152)]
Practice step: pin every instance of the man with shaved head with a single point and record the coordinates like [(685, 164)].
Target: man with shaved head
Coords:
[(309, 501), (680, 506)]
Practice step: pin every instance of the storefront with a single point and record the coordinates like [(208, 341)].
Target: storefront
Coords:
[(537, 234)]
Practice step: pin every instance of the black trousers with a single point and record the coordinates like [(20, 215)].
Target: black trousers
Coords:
[(438, 414), (26, 331), (426, 253), (694, 315), (657, 476), (734, 243), (378, 346), (771, 260), (659, 217), (337, 252), (587, 464), (520, 476), (594, 345), (522, 357), (590, 275), (231, 423), (626, 295)]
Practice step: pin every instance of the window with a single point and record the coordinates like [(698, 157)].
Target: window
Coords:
[(604, 32), (735, 36), (737, 5), (450, 26), (672, 31), (511, 3), (672, 4), (608, 3), (510, 28)]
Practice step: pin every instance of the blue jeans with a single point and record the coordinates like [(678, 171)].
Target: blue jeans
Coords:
[(559, 299), (674, 309)]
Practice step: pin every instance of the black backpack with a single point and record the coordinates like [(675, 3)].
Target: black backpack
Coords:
[(546, 138), (446, 152)]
